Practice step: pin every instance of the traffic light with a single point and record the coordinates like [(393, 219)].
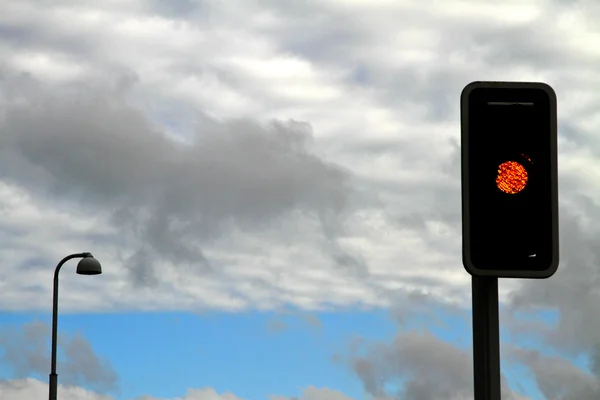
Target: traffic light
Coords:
[(509, 179)]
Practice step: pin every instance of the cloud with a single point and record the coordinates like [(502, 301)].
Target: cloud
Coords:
[(571, 296), (198, 394), (337, 193), (313, 393), (82, 365), (153, 129), (418, 365), (26, 351), (99, 151), (29, 388), (421, 363), (276, 325), (169, 199), (286, 319), (558, 378), (167, 140)]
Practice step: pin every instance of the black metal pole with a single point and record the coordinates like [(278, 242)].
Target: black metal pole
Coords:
[(486, 338), (53, 388)]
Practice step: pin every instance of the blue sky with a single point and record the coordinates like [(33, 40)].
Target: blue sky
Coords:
[(273, 190), (162, 353), (268, 353)]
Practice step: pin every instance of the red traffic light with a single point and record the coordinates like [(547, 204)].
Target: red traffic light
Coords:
[(512, 177), (509, 179)]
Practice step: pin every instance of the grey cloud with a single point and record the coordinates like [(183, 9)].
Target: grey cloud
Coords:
[(198, 394), (26, 351), (362, 39), (573, 290), (285, 320), (181, 8), (314, 393), (523, 45), (573, 294), (424, 366), (355, 264), (92, 147), (414, 304), (423, 362), (82, 365), (29, 32), (312, 320), (558, 378), (276, 325), (181, 239)]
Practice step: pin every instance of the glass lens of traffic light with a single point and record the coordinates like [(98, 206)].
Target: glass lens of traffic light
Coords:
[(512, 177)]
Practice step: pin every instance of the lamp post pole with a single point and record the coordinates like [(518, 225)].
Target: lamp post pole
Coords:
[(53, 376)]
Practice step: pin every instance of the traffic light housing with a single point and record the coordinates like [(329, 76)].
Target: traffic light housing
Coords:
[(509, 179)]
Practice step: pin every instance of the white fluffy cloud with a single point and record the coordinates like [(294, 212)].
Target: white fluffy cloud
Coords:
[(30, 388), (142, 157), (145, 134)]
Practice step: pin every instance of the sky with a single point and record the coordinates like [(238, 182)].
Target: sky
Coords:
[(273, 190)]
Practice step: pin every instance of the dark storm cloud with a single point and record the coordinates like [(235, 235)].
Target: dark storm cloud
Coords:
[(92, 146)]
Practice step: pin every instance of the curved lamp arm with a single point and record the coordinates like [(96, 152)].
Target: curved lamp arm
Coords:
[(53, 375)]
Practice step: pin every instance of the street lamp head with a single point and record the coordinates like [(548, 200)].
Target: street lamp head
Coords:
[(89, 266)]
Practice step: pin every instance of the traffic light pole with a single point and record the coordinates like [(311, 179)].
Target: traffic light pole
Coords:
[(486, 338)]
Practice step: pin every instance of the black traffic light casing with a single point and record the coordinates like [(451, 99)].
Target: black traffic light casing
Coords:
[(509, 235)]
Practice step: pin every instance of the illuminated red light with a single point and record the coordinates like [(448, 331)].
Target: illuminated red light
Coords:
[(512, 177)]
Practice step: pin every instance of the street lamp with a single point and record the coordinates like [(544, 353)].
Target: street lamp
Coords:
[(87, 266)]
